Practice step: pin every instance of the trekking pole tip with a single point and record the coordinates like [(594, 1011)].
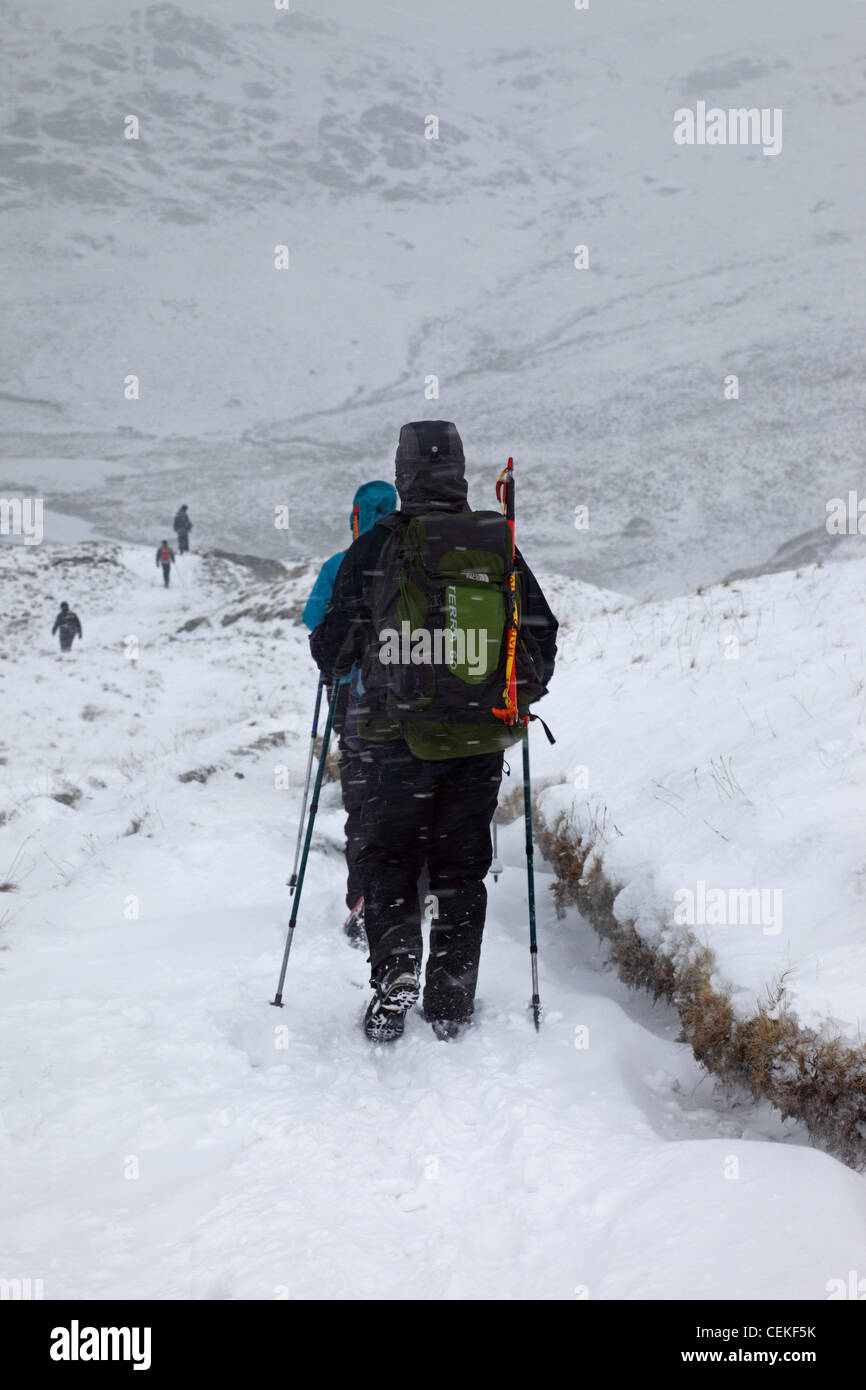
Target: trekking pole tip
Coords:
[(276, 1003)]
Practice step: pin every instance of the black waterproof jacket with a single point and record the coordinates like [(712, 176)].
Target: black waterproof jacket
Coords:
[(68, 624)]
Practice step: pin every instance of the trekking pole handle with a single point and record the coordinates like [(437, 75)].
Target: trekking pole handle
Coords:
[(505, 490)]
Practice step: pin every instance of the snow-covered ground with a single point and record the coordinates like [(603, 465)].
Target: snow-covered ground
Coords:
[(715, 745), (168, 1134)]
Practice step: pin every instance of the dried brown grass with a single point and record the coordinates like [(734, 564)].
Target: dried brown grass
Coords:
[(815, 1077)]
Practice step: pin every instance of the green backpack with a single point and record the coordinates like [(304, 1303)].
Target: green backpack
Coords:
[(439, 605)]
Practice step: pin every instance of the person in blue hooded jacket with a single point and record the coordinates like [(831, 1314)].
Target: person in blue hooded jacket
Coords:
[(372, 501)]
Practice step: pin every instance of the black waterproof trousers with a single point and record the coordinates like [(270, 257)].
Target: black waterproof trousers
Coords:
[(439, 812), (166, 574)]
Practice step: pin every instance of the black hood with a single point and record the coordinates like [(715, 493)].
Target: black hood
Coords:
[(430, 468)]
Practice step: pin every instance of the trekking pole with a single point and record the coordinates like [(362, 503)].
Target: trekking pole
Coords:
[(294, 878), (326, 739), (530, 878), (496, 865), (510, 714)]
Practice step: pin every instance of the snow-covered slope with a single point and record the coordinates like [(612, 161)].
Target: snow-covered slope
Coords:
[(720, 740), (168, 1134), (452, 257)]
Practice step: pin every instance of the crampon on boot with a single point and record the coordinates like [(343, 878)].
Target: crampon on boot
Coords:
[(354, 926), (393, 996)]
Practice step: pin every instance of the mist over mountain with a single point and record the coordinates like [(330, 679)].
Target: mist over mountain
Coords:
[(412, 258)]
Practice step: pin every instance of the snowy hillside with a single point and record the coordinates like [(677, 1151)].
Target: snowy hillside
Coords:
[(168, 1134), (413, 257), (721, 739)]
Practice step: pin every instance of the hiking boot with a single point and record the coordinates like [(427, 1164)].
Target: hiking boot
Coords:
[(394, 994), (354, 927)]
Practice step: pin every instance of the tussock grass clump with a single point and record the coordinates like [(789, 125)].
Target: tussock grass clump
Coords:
[(262, 744), (129, 766), (258, 565), (263, 613), (84, 559), (143, 820), (198, 774), (815, 1077), (192, 623), (510, 807), (10, 880), (269, 608), (332, 762), (70, 796)]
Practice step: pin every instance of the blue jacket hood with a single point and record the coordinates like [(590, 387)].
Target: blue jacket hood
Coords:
[(373, 500)]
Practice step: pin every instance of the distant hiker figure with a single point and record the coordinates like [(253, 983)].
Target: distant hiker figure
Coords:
[(372, 501), (182, 526), (432, 739), (165, 557), (67, 625)]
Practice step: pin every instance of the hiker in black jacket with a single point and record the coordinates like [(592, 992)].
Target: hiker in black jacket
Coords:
[(428, 807), (182, 527), (372, 500), (67, 625), (165, 557)]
